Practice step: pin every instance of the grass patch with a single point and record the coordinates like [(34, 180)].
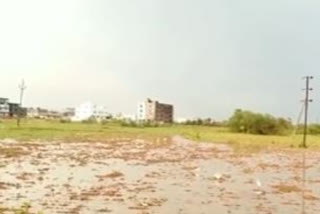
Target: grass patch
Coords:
[(79, 132)]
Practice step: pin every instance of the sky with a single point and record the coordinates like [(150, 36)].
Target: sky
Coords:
[(207, 57)]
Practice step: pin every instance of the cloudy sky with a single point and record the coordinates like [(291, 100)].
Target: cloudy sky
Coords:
[(207, 57)]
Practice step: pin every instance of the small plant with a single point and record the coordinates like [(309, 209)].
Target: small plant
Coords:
[(24, 209)]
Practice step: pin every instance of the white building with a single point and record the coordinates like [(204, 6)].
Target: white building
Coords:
[(142, 111), (152, 110), (128, 117), (89, 110), (181, 120), (4, 107)]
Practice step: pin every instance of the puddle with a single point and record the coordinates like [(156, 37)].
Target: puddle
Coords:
[(166, 176)]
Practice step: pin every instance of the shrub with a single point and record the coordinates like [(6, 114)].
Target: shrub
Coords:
[(256, 123), (128, 123), (202, 122), (314, 129), (90, 120), (65, 121), (104, 122)]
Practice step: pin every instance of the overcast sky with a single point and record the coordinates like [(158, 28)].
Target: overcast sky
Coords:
[(207, 57)]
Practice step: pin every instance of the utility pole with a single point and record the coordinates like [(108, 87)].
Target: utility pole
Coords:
[(306, 108), (22, 87)]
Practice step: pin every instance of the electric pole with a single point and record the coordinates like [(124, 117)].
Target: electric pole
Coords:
[(306, 108), (22, 87)]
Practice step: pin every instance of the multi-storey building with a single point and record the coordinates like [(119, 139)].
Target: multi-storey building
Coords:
[(155, 111), (141, 113)]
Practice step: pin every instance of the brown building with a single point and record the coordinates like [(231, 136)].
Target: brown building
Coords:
[(14, 109), (159, 112)]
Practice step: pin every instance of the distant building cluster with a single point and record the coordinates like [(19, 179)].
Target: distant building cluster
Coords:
[(42, 113), (89, 110), (9, 109), (151, 110)]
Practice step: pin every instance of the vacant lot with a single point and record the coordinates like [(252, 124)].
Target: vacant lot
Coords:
[(95, 168), (163, 175)]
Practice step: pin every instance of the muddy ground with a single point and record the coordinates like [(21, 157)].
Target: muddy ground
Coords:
[(163, 176)]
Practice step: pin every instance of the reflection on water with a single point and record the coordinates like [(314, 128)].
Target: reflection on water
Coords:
[(164, 176)]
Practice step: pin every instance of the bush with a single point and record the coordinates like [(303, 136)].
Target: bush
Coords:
[(65, 121), (130, 123), (202, 122), (314, 129), (105, 122), (256, 123)]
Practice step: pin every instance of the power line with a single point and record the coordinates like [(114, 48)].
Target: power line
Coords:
[(306, 108), (22, 87), (306, 102)]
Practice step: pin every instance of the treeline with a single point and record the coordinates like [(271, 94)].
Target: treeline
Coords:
[(257, 123), (141, 124), (203, 122), (312, 129)]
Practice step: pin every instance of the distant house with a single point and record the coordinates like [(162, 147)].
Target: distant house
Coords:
[(37, 112), (14, 109), (181, 120), (126, 117), (68, 113), (4, 107), (41, 113), (8, 109), (89, 110), (155, 111)]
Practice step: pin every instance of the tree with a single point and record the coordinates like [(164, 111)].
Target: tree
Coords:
[(256, 123)]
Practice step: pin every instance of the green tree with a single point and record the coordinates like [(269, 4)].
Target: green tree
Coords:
[(256, 123)]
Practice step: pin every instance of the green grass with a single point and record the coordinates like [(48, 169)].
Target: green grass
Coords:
[(54, 130)]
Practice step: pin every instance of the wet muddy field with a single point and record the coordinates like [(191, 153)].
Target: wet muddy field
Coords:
[(160, 176)]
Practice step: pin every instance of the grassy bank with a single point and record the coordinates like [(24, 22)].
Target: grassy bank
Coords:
[(54, 130)]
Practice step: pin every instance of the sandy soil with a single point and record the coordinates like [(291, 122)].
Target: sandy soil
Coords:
[(165, 176)]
